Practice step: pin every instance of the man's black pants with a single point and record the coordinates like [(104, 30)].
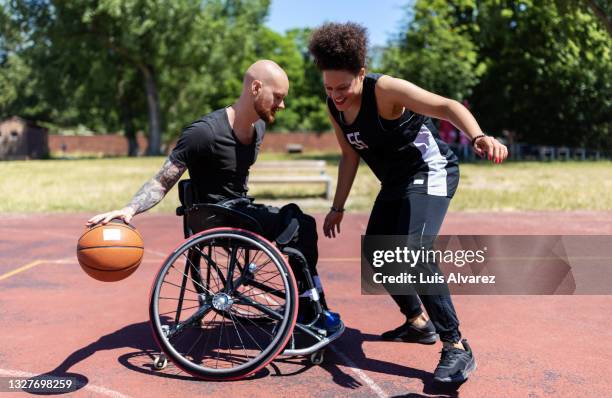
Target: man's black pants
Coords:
[(274, 220)]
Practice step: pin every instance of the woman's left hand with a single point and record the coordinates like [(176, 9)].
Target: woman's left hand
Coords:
[(489, 147), (332, 223)]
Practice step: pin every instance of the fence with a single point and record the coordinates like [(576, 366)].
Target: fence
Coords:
[(116, 145), (522, 151)]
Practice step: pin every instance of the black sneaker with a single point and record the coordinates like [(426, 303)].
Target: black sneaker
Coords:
[(409, 333), (455, 364)]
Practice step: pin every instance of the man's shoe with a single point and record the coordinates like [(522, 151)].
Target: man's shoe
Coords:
[(455, 364), (408, 333), (330, 321)]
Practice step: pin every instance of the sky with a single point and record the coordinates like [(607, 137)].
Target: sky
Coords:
[(381, 17)]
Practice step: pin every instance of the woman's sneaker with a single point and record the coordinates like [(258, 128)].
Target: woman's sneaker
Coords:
[(455, 364), (408, 333)]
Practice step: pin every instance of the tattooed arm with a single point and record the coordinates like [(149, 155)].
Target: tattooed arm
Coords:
[(150, 194), (154, 190)]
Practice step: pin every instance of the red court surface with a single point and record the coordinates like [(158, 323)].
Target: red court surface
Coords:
[(56, 320)]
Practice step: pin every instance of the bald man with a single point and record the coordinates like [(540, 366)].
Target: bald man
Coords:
[(218, 151)]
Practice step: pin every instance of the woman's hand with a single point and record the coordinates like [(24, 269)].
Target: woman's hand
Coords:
[(486, 146), (332, 223)]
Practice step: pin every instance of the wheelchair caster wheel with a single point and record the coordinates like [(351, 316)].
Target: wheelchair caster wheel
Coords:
[(316, 358), (160, 362)]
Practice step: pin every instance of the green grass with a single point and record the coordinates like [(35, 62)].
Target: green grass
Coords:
[(96, 185), (535, 186)]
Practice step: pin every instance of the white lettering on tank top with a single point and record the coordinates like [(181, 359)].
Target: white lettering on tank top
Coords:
[(353, 139)]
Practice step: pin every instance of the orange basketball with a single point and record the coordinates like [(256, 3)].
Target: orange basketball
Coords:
[(110, 252)]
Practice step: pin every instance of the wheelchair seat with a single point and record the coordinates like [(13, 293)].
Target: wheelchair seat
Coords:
[(206, 216), (201, 216)]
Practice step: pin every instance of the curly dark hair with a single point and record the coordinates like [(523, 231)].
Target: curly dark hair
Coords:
[(339, 46)]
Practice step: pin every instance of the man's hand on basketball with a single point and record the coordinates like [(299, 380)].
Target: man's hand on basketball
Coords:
[(124, 214), (332, 223), (489, 147)]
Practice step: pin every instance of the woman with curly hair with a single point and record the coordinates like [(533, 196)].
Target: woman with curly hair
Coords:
[(387, 122)]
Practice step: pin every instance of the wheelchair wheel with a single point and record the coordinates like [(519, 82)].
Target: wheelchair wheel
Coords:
[(223, 304)]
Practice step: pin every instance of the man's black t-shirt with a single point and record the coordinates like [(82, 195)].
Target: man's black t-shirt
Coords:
[(217, 161)]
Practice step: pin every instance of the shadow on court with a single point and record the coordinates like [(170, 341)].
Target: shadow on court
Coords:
[(351, 343), (137, 336)]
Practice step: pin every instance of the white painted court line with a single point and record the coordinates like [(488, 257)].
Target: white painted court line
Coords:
[(32, 265), (75, 261), (67, 260), (156, 253), (90, 387), (54, 234), (68, 236), (21, 269), (360, 373)]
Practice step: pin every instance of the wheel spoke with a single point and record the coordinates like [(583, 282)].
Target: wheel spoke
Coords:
[(230, 270), (257, 315), (208, 336), (187, 276), (238, 334), (175, 311), (174, 284), (250, 335), (260, 284), (212, 262), (261, 307), (172, 298), (194, 281), (196, 316)]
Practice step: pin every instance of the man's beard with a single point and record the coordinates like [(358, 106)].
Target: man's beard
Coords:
[(265, 114)]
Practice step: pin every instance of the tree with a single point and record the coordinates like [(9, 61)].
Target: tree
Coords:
[(305, 104), (310, 95), (211, 77), (17, 88), (540, 68), (549, 73), (601, 9), (101, 51), (434, 52)]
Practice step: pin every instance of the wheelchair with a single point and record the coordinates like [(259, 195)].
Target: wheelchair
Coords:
[(224, 304)]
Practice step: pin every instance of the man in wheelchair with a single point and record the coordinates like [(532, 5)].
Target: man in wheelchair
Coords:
[(218, 150)]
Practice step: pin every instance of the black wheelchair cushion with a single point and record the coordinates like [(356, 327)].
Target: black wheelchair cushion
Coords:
[(205, 216), (289, 233), (290, 215), (230, 203)]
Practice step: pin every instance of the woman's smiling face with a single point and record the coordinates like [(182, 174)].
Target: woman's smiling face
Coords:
[(343, 87)]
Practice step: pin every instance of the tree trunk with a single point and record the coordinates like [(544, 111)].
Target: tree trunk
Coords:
[(154, 147), (126, 113), (130, 135)]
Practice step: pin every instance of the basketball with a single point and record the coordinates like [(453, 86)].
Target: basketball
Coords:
[(110, 252)]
